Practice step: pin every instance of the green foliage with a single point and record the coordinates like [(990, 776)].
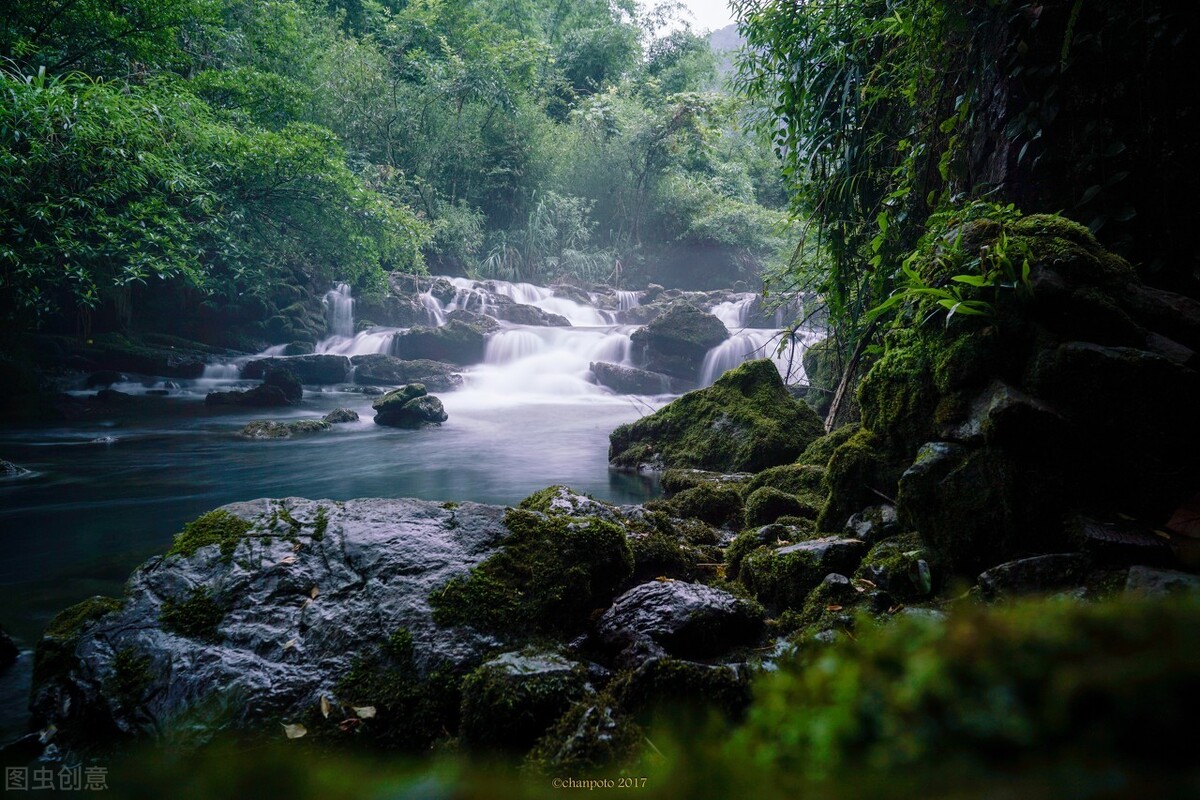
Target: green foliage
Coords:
[(217, 527), (130, 678), (1057, 679), (196, 616)]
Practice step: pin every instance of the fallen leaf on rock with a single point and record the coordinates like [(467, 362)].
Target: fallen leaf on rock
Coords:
[(288, 560), (290, 644), (307, 602), (326, 706), (314, 593), (833, 608), (365, 712), (295, 730)]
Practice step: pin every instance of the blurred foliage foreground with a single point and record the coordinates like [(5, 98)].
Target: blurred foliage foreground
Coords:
[(1044, 698)]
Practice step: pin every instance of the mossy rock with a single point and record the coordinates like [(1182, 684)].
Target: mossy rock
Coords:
[(679, 687), (592, 739), (131, 677), (748, 541), (822, 448), (510, 701), (903, 567), (548, 576), (898, 396), (782, 577), (767, 504), (795, 479), (746, 421), (217, 527), (676, 480), (54, 653), (712, 503), (197, 616), (859, 474), (413, 710)]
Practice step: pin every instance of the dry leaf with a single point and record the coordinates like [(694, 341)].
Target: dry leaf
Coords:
[(365, 712), (307, 602), (288, 560), (314, 593), (295, 730), (326, 706), (296, 547), (833, 608), (290, 644)]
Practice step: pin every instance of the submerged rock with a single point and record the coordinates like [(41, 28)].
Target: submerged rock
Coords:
[(382, 369), (259, 397), (271, 429), (259, 611), (409, 407), (744, 421), (460, 341), (341, 415)]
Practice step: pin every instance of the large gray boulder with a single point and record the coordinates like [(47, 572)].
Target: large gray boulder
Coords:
[(677, 340), (631, 380), (254, 628)]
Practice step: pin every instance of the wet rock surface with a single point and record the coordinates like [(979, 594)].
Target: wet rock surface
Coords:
[(631, 380), (384, 370), (316, 370), (304, 588), (409, 407)]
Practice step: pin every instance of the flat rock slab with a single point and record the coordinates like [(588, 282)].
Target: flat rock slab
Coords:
[(1160, 582), (307, 588)]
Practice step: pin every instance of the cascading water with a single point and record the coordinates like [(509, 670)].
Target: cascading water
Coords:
[(746, 343), (339, 310), (627, 300)]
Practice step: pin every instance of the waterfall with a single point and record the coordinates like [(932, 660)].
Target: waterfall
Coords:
[(626, 300), (746, 343), (339, 309)]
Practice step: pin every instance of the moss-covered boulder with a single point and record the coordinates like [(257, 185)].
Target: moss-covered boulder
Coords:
[(409, 407), (746, 421), (510, 701), (903, 567), (861, 471), (710, 502), (782, 577), (676, 342), (821, 449), (766, 504), (677, 480), (461, 340), (271, 429), (548, 576)]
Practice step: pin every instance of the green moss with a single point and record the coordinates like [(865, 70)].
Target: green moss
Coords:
[(894, 565), (131, 677), (69, 622), (55, 652), (712, 503), (411, 711), (216, 527), (198, 616), (767, 504), (790, 478), (781, 579), (547, 577), (859, 473), (658, 554), (320, 524), (675, 686), (1071, 250), (594, 738), (507, 711), (898, 394), (821, 450), (677, 480), (1072, 683), (399, 646), (746, 421), (748, 541)]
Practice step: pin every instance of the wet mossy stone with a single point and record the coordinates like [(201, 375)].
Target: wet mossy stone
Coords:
[(746, 421), (859, 474), (382, 369), (782, 577), (874, 523), (902, 566), (510, 701), (798, 479), (548, 576), (563, 500), (340, 415), (821, 449), (54, 651), (684, 619), (217, 527), (270, 429), (710, 502), (409, 407), (592, 739), (460, 341), (977, 508), (196, 616), (676, 480), (676, 342), (262, 396), (682, 688), (766, 504)]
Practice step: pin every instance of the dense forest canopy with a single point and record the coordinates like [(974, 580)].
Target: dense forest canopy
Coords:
[(238, 156)]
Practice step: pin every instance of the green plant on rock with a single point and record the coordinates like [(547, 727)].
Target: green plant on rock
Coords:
[(197, 616), (131, 677), (217, 527), (549, 574)]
